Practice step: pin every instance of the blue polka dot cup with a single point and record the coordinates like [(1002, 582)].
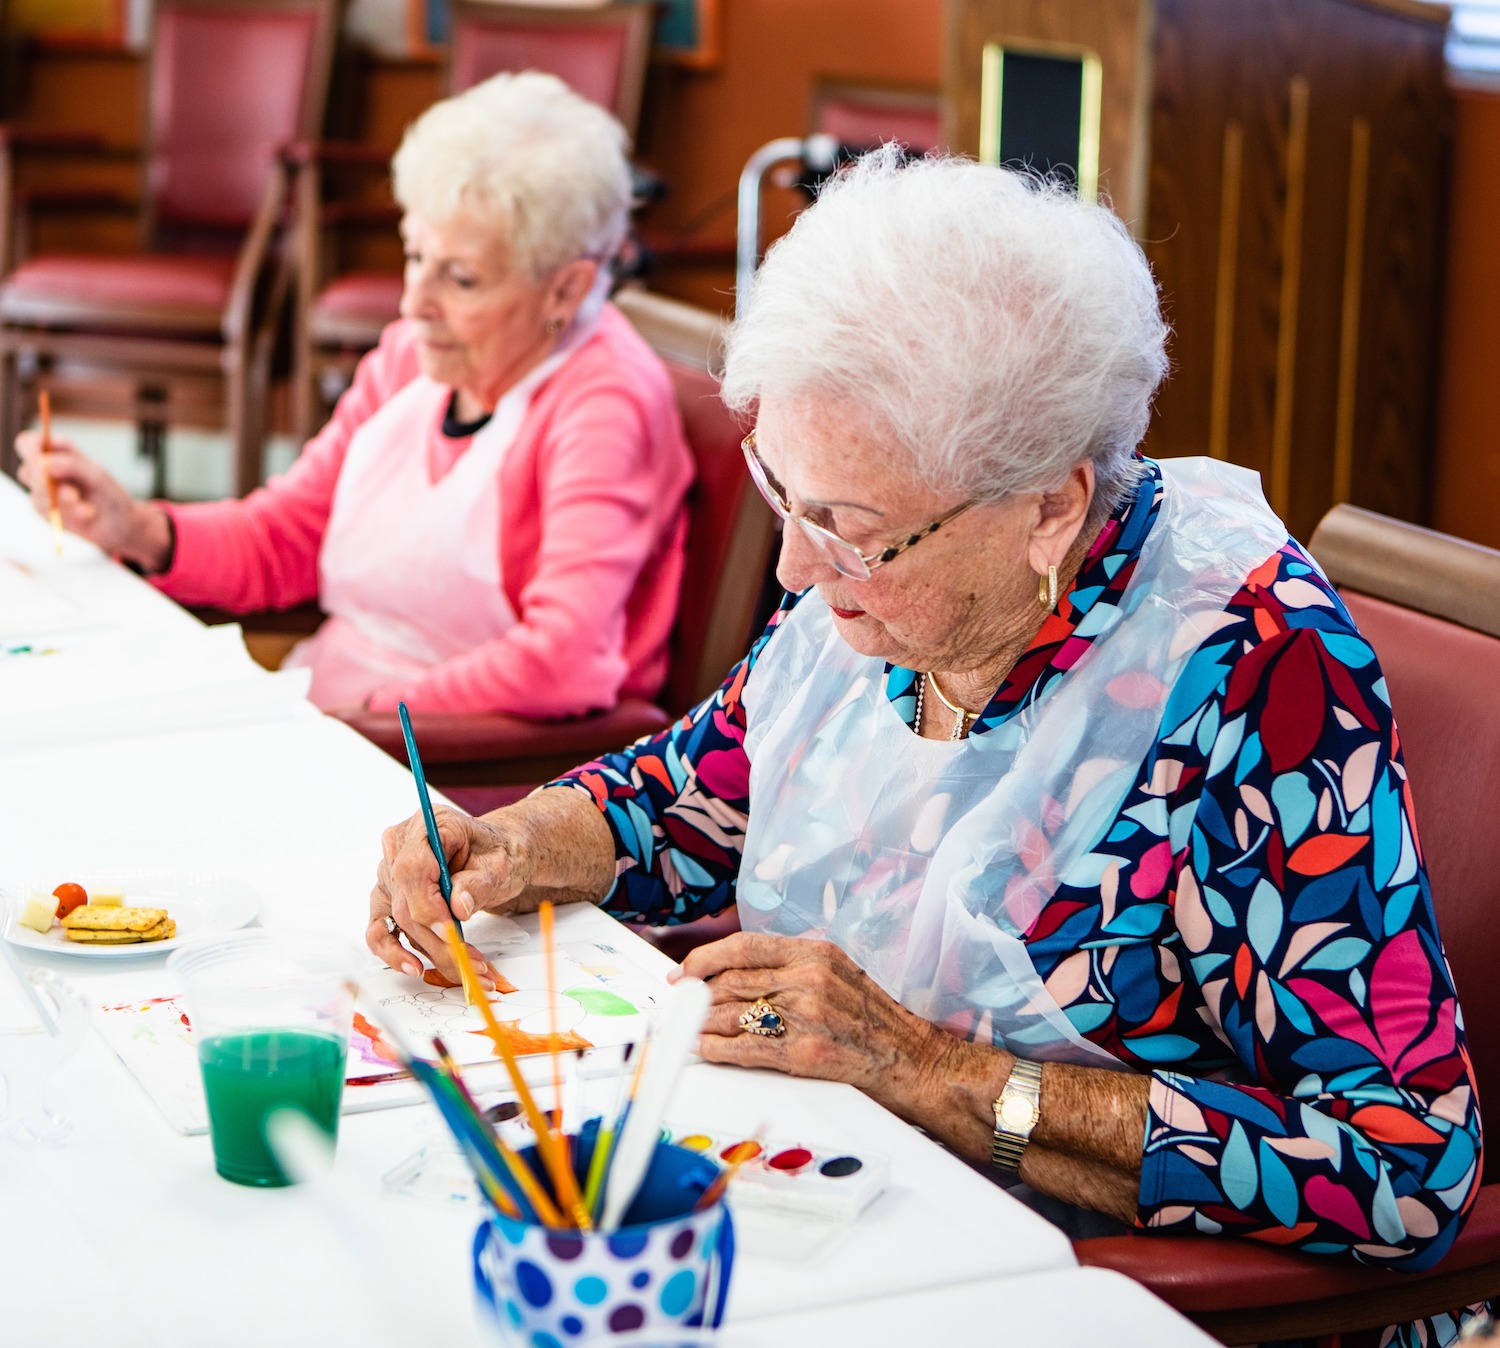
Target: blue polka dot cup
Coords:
[(551, 1289)]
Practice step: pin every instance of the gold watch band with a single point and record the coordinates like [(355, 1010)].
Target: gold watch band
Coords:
[(1023, 1088)]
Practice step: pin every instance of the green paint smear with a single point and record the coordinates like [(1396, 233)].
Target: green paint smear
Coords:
[(600, 1001)]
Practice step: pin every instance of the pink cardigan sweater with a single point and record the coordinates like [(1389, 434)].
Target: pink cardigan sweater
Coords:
[(591, 542)]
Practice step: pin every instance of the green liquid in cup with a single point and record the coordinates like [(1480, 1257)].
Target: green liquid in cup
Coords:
[(247, 1076)]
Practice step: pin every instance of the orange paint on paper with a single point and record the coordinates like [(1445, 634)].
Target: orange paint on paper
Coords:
[(522, 1044), (378, 1047)]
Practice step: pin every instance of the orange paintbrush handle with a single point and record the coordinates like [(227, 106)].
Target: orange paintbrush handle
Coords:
[(563, 1182)]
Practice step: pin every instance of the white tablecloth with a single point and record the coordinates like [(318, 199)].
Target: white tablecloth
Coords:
[(127, 1236)]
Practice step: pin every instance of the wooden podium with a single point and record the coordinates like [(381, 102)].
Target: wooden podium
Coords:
[(1282, 163)]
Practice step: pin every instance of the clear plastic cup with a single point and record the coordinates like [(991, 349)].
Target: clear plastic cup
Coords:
[(43, 1020), (270, 1014)]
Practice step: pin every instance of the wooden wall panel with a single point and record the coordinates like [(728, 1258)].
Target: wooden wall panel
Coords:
[(1468, 423), (1118, 30), (1296, 152)]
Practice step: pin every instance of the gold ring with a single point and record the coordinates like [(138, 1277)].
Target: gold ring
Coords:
[(763, 1019)]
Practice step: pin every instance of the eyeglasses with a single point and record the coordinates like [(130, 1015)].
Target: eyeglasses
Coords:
[(847, 559)]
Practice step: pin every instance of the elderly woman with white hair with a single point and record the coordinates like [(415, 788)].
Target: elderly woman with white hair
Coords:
[(493, 519), (1061, 802)]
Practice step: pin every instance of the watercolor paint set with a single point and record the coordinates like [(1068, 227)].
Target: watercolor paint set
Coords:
[(791, 1175)]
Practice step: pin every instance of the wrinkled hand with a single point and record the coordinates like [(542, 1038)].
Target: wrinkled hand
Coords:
[(92, 504), (839, 1025), (488, 870)]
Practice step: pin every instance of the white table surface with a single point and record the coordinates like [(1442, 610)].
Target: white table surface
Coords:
[(127, 1236), (1062, 1308)]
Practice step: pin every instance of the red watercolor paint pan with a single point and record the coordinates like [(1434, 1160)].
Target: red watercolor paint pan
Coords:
[(794, 1174)]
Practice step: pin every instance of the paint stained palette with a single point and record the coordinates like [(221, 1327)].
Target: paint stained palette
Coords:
[(793, 1175)]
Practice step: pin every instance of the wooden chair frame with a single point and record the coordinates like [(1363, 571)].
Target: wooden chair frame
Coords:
[(173, 377)]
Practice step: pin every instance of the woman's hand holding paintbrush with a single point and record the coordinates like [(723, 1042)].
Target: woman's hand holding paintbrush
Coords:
[(91, 504), (494, 866)]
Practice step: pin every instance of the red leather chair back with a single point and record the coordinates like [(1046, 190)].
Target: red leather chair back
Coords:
[(731, 530), (599, 53), (1443, 682), (585, 59), (867, 116), (230, 84), (722, 492)]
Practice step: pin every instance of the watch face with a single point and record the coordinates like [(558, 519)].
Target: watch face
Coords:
[(1017, 1113)]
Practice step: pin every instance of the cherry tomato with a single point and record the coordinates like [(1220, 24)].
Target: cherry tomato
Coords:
[(69, 897)]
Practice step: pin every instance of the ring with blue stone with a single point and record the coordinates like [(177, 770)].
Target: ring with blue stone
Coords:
[(765, 1019)]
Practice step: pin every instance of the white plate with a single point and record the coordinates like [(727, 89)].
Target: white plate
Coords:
[(201, 904)]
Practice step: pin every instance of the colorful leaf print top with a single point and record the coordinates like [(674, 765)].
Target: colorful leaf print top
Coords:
[(1266, 948)]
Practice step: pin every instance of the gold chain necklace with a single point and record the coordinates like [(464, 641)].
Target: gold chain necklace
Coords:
[(961, 716)]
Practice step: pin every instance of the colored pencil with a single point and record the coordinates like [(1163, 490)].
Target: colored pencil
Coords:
[(54, 513), (564, 1183)]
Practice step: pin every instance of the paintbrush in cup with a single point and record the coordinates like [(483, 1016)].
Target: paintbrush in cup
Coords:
[(604, 1140), (736, 1156), (549, 953), (54, 512), (454, 1105), (526, 1181), (554, 1157), (686, 1009)]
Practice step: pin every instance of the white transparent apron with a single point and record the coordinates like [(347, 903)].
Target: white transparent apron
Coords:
[(409, 569), (927, 861)]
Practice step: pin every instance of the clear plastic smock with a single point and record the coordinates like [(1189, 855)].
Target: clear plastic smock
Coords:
[(927, 861)]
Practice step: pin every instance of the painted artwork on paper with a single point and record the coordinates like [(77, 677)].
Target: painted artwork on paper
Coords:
[(603, 1000)]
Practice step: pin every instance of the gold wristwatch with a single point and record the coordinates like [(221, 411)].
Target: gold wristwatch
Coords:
[(1017, 1109)]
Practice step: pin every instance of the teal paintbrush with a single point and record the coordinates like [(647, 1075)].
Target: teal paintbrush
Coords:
[(434, 839)]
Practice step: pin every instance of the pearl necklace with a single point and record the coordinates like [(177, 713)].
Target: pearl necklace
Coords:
[(961, 716)]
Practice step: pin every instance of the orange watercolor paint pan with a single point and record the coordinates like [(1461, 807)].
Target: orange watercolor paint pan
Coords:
[(792, 1175)]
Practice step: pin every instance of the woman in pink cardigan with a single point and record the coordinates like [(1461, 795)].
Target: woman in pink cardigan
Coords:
[(493, 519)]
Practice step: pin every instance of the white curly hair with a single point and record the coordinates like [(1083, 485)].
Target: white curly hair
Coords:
[(546, 164), (989, 324)]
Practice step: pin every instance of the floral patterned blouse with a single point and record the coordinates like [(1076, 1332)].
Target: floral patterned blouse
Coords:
[(1266, 948)]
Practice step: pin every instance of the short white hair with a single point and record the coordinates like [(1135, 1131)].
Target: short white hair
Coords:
[(545, 164), (991, 325)]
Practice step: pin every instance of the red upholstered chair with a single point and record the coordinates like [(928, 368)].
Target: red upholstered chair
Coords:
[(600, 52), (181, 329), (731, 532), (1430, 606), (865, 115)]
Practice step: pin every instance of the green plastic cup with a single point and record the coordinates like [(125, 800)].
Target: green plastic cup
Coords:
[(270, 1014)]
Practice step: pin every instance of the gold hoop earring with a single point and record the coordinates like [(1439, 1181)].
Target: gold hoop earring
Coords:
[(1046, 589)]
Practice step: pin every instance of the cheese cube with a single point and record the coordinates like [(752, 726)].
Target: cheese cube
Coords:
[(38, 912), (108, 897)]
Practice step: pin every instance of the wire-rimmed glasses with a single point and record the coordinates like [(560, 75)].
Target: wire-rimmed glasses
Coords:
[(847, 559)]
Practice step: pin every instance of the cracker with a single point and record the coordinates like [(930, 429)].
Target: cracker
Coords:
[(92, 917), (162, 931)]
